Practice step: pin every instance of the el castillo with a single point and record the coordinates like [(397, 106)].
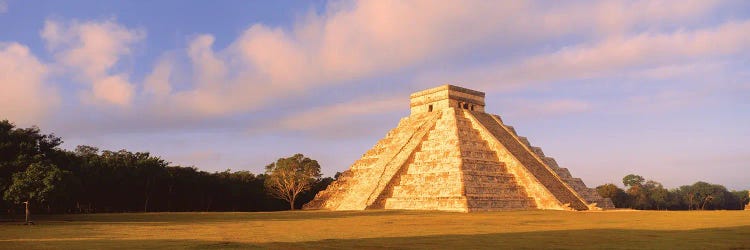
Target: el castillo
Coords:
[(451, 155)]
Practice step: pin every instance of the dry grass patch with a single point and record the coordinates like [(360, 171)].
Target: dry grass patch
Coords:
[(377, 229)]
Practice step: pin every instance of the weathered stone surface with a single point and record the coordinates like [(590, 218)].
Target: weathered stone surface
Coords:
[(534, 166), (450, 155)]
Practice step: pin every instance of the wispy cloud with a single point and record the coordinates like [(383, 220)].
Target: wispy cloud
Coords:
[(545, 108), (615, 56), (325, 116)]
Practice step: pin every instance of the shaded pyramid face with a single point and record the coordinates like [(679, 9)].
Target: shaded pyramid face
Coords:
[(450, 155)]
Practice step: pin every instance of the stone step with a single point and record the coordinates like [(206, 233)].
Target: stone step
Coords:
[(469, 132), (551, 162), (508, 191), (469, 135), (484, 167), (500, 119), (512, 129), (538, 151), (493, 205), (435, 179), (424, 156), (490, 180), (490, 173), (436, 163), (563, 172), (480, 161), (435, 169), (524, 140), (447, 203), (483, 155), (424, 191), (440, 136), (437, 144), (473, 144)]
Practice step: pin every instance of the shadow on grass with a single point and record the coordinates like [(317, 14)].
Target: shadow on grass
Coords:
[(715, 238), (193, 217)]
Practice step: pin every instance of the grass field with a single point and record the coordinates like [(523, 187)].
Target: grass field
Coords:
[(378, 229)]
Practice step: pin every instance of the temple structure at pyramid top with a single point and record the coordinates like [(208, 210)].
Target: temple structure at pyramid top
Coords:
[(446, 96), (448, 154)]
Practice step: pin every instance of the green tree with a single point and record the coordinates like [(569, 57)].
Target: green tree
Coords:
[(633, 180), (40, 184), (741, 199), (19, 148), (637, 193), (658, 195), (288, 177), (704, 193), (616, 194)]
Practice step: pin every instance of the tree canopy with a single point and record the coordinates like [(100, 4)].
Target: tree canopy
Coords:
[(33, 167), (288, 177), (40, 183), (648, 194)]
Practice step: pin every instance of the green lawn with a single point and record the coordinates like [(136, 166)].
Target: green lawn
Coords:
[(394, 229)]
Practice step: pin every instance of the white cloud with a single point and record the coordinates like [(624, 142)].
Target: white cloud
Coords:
[(359, 39), (114, 89), (91, 51), (25, 97)]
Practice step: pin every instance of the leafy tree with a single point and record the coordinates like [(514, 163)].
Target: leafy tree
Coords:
[(617, 195), (288, 177), (20, 147), (657, 194), (633, 180), (740, 199), (40, 184), (709, 195)]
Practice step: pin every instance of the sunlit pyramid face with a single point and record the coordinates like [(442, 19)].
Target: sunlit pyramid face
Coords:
[(450, 155)]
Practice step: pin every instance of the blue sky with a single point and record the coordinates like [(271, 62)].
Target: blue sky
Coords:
[(608, 88)]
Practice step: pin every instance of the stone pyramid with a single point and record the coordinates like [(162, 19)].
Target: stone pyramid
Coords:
[(451, 155)]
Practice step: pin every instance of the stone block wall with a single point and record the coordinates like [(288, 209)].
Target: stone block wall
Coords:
[(432, 180), (455, 170), (507, 137), (487, 182), (370, 175), (589, 194)]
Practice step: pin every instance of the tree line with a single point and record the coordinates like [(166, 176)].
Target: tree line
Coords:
[(34, 168), (645, 194)]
